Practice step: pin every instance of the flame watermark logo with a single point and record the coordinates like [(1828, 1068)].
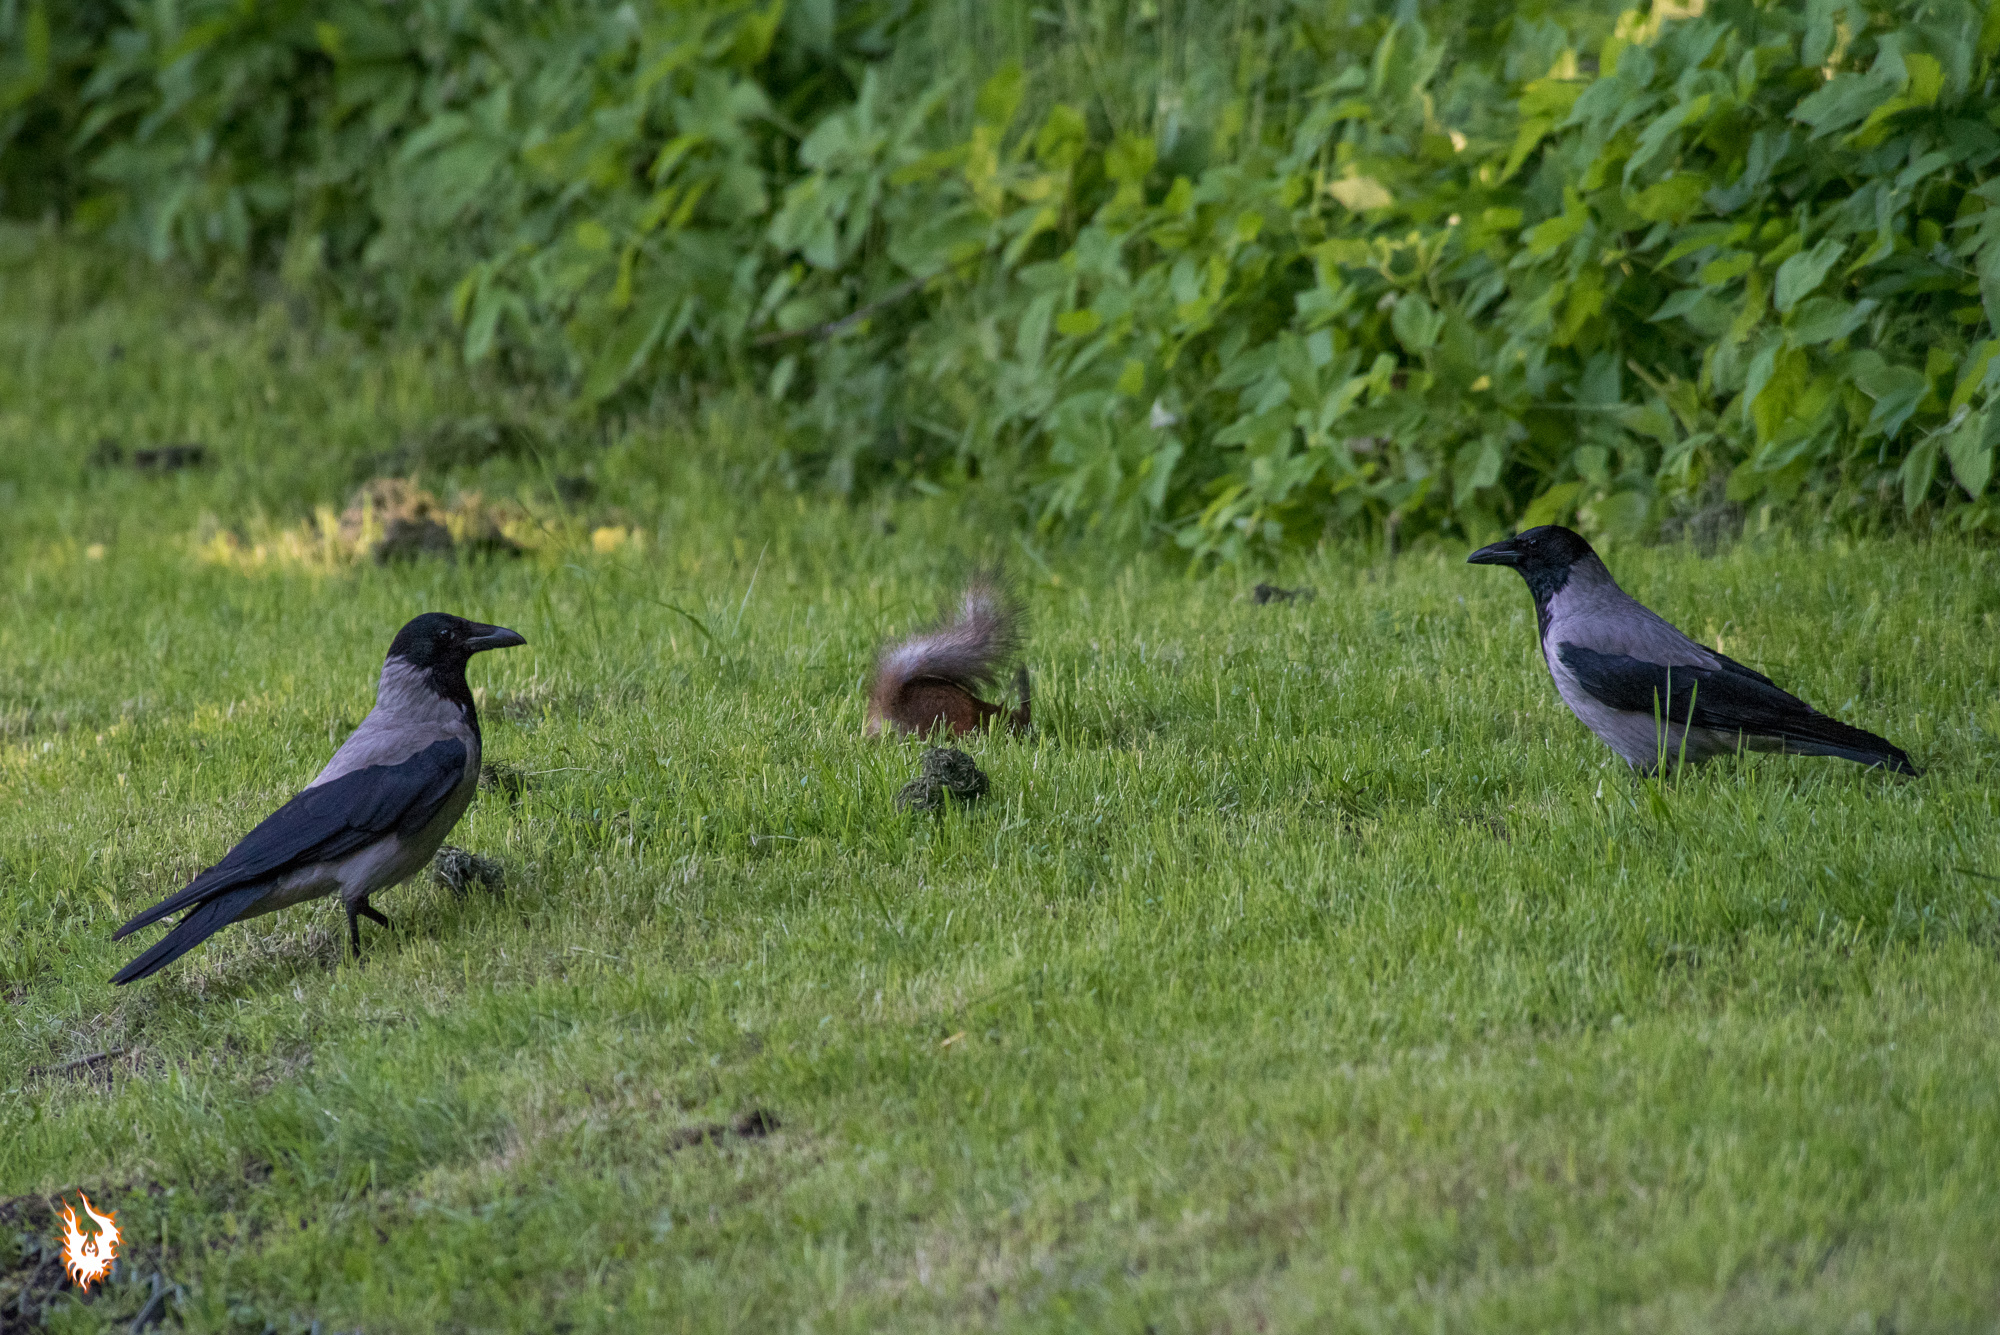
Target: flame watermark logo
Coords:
[(88, 1259)]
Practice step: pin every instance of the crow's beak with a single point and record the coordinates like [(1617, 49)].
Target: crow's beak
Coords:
[(1496, 554), (493, 637)]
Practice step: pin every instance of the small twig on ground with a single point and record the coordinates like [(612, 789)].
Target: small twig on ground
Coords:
[(155, 1309), (91, 1062)]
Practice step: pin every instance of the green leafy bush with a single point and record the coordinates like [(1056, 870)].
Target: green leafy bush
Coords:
[(1231, 279)]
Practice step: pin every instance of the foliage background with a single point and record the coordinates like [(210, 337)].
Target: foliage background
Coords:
[(1232, 276)]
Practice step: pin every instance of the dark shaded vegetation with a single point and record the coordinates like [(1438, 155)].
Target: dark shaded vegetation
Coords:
[(1236, 277)]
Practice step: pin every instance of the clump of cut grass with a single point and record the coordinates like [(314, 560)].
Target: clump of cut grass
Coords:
[(947, 777)]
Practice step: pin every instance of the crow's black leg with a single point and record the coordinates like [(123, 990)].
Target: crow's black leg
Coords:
[(358, 909)]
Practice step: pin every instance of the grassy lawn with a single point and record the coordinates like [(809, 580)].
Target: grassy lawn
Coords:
[(1310, 968)]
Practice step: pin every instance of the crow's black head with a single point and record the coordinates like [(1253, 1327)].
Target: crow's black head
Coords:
[(1543, 556), (440, 641)]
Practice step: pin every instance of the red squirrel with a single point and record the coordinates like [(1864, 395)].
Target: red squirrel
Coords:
[(934, 677)]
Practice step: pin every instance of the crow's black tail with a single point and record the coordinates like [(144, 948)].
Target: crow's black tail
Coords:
[(1822, 736), (189, 932)]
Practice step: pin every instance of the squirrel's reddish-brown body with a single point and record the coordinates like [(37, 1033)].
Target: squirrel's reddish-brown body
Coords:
[(934, 678)]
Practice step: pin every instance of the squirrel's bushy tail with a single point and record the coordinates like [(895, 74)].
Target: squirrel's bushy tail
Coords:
[(1021, 721), (936, 676)]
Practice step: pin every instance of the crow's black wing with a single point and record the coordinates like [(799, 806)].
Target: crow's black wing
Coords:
[(1729, 698), (1735, 668), (196, 926), (1718, 697), (326, 823)]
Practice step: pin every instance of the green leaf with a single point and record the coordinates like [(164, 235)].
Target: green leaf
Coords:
[(620, 356), (1745, 483), (1593, 462), (1777, 377), (1130, 158), (1897, 390), (1726, 268), (1527, 139), (1974, 374), (1620, 515), (1970, 450), (1583, 302), (1544, 238), (463, 293), (1552, 506), (1360, 193), (1847, 98), (1063, 137), (1653, 140), (1079, 324), (1672, 200), (1705, 236), (1680, 303), (1751, 313), (491, 302), (1919, 471), (1477, 467), (1820, 33), (1000, 96), (1158, 471), (1926, 79), (1552, 97), (1824, 319), (36, 45), (1925, 82), (1988, 266), (1803, 272), (1649, 419), (1544, 103), (1416, 322), (1031, 336)]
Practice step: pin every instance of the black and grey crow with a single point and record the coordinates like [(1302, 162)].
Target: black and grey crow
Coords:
[(1623, 671), (374, 816)]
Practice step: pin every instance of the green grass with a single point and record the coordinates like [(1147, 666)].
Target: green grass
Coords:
[(1310, 969)]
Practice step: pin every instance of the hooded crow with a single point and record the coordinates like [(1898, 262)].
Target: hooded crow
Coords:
[(374, 816), (1620, 669)]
